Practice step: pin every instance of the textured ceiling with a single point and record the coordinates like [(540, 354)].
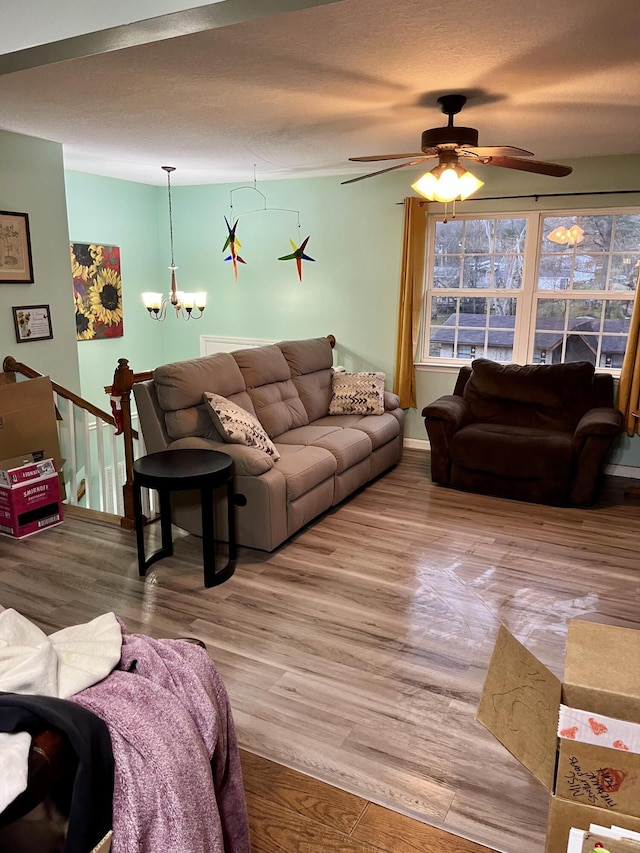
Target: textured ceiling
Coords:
[(296, 94)]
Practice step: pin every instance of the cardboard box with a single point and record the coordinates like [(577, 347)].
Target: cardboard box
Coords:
[(28, 420), (29, 497), (520, 705), (22, 469)]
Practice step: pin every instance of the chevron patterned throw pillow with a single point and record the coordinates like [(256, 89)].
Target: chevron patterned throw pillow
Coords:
[(357, 394), (238, 426)]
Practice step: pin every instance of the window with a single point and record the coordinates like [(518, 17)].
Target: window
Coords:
[(498, 287)]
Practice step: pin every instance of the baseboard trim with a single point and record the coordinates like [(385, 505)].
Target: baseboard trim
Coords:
[(416, 443), (622, 471)]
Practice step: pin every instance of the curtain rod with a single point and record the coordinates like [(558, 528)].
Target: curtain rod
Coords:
[(537, 196)]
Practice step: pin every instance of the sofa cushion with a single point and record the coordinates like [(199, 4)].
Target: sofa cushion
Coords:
[(379, 428), (304, 467), (311, 364), (357, 394), (349, 446), (180, 385), (195, 421), (517, 453), (268, 381), (545, 396), (238, 426)]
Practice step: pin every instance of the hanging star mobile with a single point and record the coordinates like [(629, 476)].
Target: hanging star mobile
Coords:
[(232, 242), (298, 255)]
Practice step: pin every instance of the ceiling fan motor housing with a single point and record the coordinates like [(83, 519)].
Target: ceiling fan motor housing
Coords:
[(453, 137)]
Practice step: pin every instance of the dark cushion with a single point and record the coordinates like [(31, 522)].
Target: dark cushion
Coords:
[(514, 452), (543, 396)]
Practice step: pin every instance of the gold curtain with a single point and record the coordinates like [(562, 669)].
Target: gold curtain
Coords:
[(410, 307), (629, 388)]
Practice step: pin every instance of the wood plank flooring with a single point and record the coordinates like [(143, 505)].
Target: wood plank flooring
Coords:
[(289, 811), (355, 654)]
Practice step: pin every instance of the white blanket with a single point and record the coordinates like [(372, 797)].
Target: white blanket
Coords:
[(61, 665)]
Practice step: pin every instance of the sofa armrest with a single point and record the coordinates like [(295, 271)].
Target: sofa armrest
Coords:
[(451, 409), (443, 418), (603, 421), (246, 460), (391, 401)]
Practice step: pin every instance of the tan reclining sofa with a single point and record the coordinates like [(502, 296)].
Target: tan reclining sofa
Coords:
[(288, 386)]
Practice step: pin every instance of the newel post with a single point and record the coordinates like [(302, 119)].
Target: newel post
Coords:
[(123, 379)]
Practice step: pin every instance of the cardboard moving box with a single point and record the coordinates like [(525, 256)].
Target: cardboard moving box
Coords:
[(29, 496), (28, 420), (520, 706)]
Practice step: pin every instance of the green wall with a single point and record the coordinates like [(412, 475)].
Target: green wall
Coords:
[(124, 214), (32, 182)]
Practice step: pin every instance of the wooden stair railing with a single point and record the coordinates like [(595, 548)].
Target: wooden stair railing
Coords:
[(11, 367), (120, 392)]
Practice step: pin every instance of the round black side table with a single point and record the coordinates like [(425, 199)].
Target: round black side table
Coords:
[(180, 470)]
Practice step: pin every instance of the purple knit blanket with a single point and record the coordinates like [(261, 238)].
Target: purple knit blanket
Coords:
[(178, 783)]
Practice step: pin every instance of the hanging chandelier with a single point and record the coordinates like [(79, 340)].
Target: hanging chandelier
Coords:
[(184, 303)]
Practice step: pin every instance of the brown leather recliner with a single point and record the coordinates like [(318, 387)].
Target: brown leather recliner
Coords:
[(532, 432)]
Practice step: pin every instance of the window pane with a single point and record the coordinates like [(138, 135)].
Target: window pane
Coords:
[(446, 271), (624, 272), (547, 349), (502, 308), (449, 237), (627, 233), (590, 272), (597, 232), (478, 235), (508, 272), (442, 307), (549, 312), (510, 235), (477, 271), (555, 272)]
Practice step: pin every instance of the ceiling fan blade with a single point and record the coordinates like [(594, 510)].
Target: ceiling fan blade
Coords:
[(385, 157), (382, 171), (552, 169), (495, 151)]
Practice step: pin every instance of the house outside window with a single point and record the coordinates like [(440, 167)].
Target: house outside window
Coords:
[(498, 287)]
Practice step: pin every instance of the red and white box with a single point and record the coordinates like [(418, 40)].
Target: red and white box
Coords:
[(29, 496)]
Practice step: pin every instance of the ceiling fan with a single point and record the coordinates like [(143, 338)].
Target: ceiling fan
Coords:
[(452, 143)]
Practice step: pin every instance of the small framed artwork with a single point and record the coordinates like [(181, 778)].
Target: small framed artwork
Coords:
[(33, 323), (16, 266)]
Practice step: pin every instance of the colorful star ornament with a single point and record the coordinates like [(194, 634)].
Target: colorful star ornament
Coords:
[(298, 255), (232, 242)]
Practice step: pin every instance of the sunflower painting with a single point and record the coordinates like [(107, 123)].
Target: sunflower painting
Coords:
[(97, 291)]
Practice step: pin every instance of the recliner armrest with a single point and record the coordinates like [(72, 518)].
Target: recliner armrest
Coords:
[(602, 421), (450, 408)]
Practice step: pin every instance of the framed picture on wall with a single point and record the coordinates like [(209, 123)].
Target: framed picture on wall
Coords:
[(33, 323), (16, 266)]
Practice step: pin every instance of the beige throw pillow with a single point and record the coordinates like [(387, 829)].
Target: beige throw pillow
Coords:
[(357, 394), (238, 426)]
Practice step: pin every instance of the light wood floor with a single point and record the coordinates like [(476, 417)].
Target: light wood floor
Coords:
[(356, 653)]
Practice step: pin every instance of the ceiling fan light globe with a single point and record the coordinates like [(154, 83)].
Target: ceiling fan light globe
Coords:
[(448, 188), (427, 186), (468, 185)]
